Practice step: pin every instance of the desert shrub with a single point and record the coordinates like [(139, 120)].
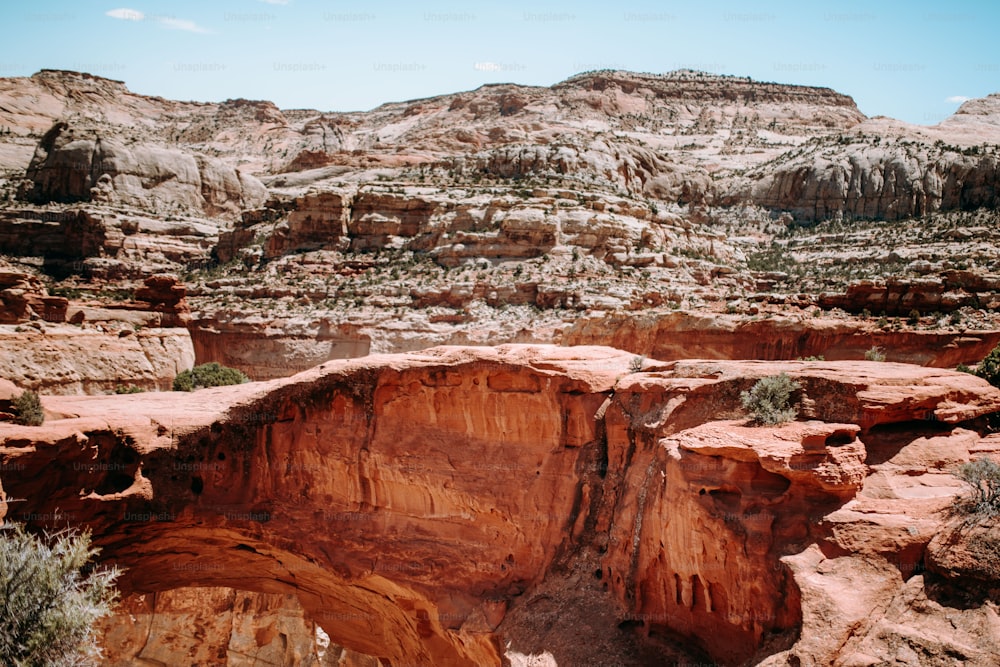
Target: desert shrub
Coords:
[(635, 365), (49, 598), (989, 368), (28, 409), (128, 389), (769, 400), (875, 353), (983, 475), (212, 374)]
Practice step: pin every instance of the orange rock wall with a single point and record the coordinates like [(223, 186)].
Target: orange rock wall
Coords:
[(409, 501)]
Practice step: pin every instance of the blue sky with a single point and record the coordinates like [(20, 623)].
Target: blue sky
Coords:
[(910, 60)]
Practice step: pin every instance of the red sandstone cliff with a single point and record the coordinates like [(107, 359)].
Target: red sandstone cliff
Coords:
[(429, 508)]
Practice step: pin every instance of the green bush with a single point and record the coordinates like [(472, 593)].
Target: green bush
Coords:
[(28, 409), (983, 475), (128, 389), (47, 603), (211, 374), (769, 400), (989, 368)]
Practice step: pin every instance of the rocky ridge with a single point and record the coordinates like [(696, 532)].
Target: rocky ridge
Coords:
[(506, 213)]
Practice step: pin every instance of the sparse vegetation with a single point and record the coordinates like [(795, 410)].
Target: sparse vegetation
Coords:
[(49, 598), (989, 368), (875, 353), (28, 409), (212, 374), (635, 365), (769, 400), (983, 475), (128, 389)]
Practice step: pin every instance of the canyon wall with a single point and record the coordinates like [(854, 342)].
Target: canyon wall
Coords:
[(214, 626), (880, 181), (685, 335), (63, 359), (274, 348), (416, 504)]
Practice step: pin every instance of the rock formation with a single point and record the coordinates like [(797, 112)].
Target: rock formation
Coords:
[(884, 181), (73, 165), (487, 505), (777, 337), (218, 626), (353, 488), (66, 359), (507, 213), (23, 298)]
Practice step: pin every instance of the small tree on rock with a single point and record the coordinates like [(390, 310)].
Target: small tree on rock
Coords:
[(212, 374), (989, 368), (983, 475), (769, 400), (28, 409), (49, 599), (875, 353)]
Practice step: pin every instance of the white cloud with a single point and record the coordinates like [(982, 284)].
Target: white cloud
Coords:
[(126, 14), (169, 22), (181, 24), (957, 99)]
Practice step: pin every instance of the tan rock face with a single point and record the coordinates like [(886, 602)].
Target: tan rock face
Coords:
[(73, 165), (882, 182), (269, 349), (610, 192), (63, 359), (99, 244), (381, 493)]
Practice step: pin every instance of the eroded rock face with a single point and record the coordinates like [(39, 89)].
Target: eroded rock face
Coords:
[(164, 293), (218, 626), (23, 297), (98, 244), (878, 181), (63, 359), (692, 335), (268, 349), (74, 165), (946, 293), (371, 490)]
